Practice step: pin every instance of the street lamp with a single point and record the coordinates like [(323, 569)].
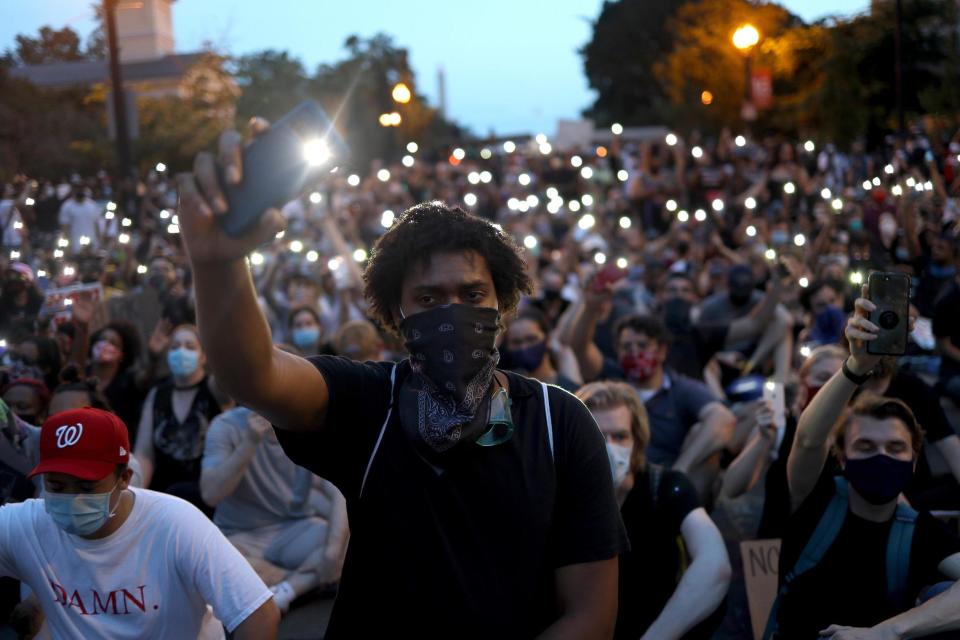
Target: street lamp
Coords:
[(401, 93), (745, 38)]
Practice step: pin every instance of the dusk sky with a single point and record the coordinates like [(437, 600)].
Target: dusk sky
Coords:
[(511, 66)]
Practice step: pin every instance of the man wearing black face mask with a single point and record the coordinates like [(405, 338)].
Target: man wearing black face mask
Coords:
[(851, 554), (481, 503), (743, 300)]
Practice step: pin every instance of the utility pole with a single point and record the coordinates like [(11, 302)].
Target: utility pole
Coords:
[(118, 94), (898, 71)]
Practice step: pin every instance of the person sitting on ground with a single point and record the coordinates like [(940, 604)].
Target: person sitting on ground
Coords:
[(689, 426), (852, 554), (527, 350), (80, 549), (288, 523), (306, 331), (480, 501), (175, 419), (659, 508)]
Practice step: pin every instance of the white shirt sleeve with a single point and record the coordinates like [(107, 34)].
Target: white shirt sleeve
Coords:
[(65, 213), (12, 518), (223, 577), (218, 444)]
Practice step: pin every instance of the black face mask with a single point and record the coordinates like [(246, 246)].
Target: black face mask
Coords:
[(676, 315), (682, 248), (880, 478), (551, 294), (445, 400)]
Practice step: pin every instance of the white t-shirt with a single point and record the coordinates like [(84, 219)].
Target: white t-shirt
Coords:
[(152, 578), (81, 217)]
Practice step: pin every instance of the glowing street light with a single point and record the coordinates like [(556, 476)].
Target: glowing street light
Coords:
[(401, 93), (746, 37)]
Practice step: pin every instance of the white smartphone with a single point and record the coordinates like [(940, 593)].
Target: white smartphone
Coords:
[(773, 391)]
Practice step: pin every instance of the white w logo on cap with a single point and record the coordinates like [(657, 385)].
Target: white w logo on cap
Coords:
[(69, 435)]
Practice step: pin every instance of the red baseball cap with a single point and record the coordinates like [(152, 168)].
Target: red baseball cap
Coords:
[(85, 443)]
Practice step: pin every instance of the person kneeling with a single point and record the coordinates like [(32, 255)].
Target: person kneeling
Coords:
[(676, 575), (853, 553), (107, 560), (288, 523)]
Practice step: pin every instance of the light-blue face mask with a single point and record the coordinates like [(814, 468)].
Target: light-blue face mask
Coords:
[(80, 514), (183, 362), (305, 337)]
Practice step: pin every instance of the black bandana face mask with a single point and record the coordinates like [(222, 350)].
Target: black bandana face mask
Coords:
[(452, 355)]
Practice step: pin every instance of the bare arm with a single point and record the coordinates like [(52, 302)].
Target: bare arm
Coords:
[(285, 389), (947, 348), (811, 446), (703, 585), (587, 595), (949, 448), (716, 426), (262, 624), (745, 470), (143, 448), (753, 324), (336, 547), (580, 339), (219, 482)]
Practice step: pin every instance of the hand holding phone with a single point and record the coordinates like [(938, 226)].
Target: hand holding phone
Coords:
[(202, 203)]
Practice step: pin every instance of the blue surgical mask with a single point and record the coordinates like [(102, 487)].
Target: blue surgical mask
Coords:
[(80, 514), (305, 337), (183, 362)]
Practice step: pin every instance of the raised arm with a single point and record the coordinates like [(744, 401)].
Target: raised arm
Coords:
[(811, 446), (583, 327), (224, 466), (285, 389)]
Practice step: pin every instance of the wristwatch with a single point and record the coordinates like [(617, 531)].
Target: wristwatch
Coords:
[(854, 378)]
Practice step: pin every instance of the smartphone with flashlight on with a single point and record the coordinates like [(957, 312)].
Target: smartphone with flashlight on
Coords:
[(890, 292), (297, 149)]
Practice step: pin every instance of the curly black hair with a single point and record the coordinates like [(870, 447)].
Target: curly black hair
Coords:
[(129, 336), (434, 227)]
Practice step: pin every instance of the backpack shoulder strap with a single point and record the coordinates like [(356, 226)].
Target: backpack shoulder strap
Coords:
[(898, 553), (549, 418), (655, 477), (386, 421), (824, 535)]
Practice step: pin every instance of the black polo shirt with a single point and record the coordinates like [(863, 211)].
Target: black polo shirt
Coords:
[(469, 551)]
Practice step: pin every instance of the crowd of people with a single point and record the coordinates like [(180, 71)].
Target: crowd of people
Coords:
[(703, 298)]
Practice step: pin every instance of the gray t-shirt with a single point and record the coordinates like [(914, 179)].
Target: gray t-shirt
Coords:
[(273, 489)]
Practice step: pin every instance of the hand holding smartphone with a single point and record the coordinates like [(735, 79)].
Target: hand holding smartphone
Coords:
[(295, 150)]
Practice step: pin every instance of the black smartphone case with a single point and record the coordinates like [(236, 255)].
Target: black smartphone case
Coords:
[(274, 168), (890, 292)]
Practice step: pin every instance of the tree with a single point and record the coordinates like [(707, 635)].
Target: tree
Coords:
[(54, 45), (703, 58), (355, 91), (173, 129), (271, 83), (629, 38)]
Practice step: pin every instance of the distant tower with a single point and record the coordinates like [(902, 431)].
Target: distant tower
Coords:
[(442, 91), (144, 29)]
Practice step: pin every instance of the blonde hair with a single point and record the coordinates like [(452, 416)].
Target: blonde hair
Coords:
[(821, 353), (601, 396)]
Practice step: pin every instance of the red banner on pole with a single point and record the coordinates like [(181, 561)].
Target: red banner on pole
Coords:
[(761, 88)]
